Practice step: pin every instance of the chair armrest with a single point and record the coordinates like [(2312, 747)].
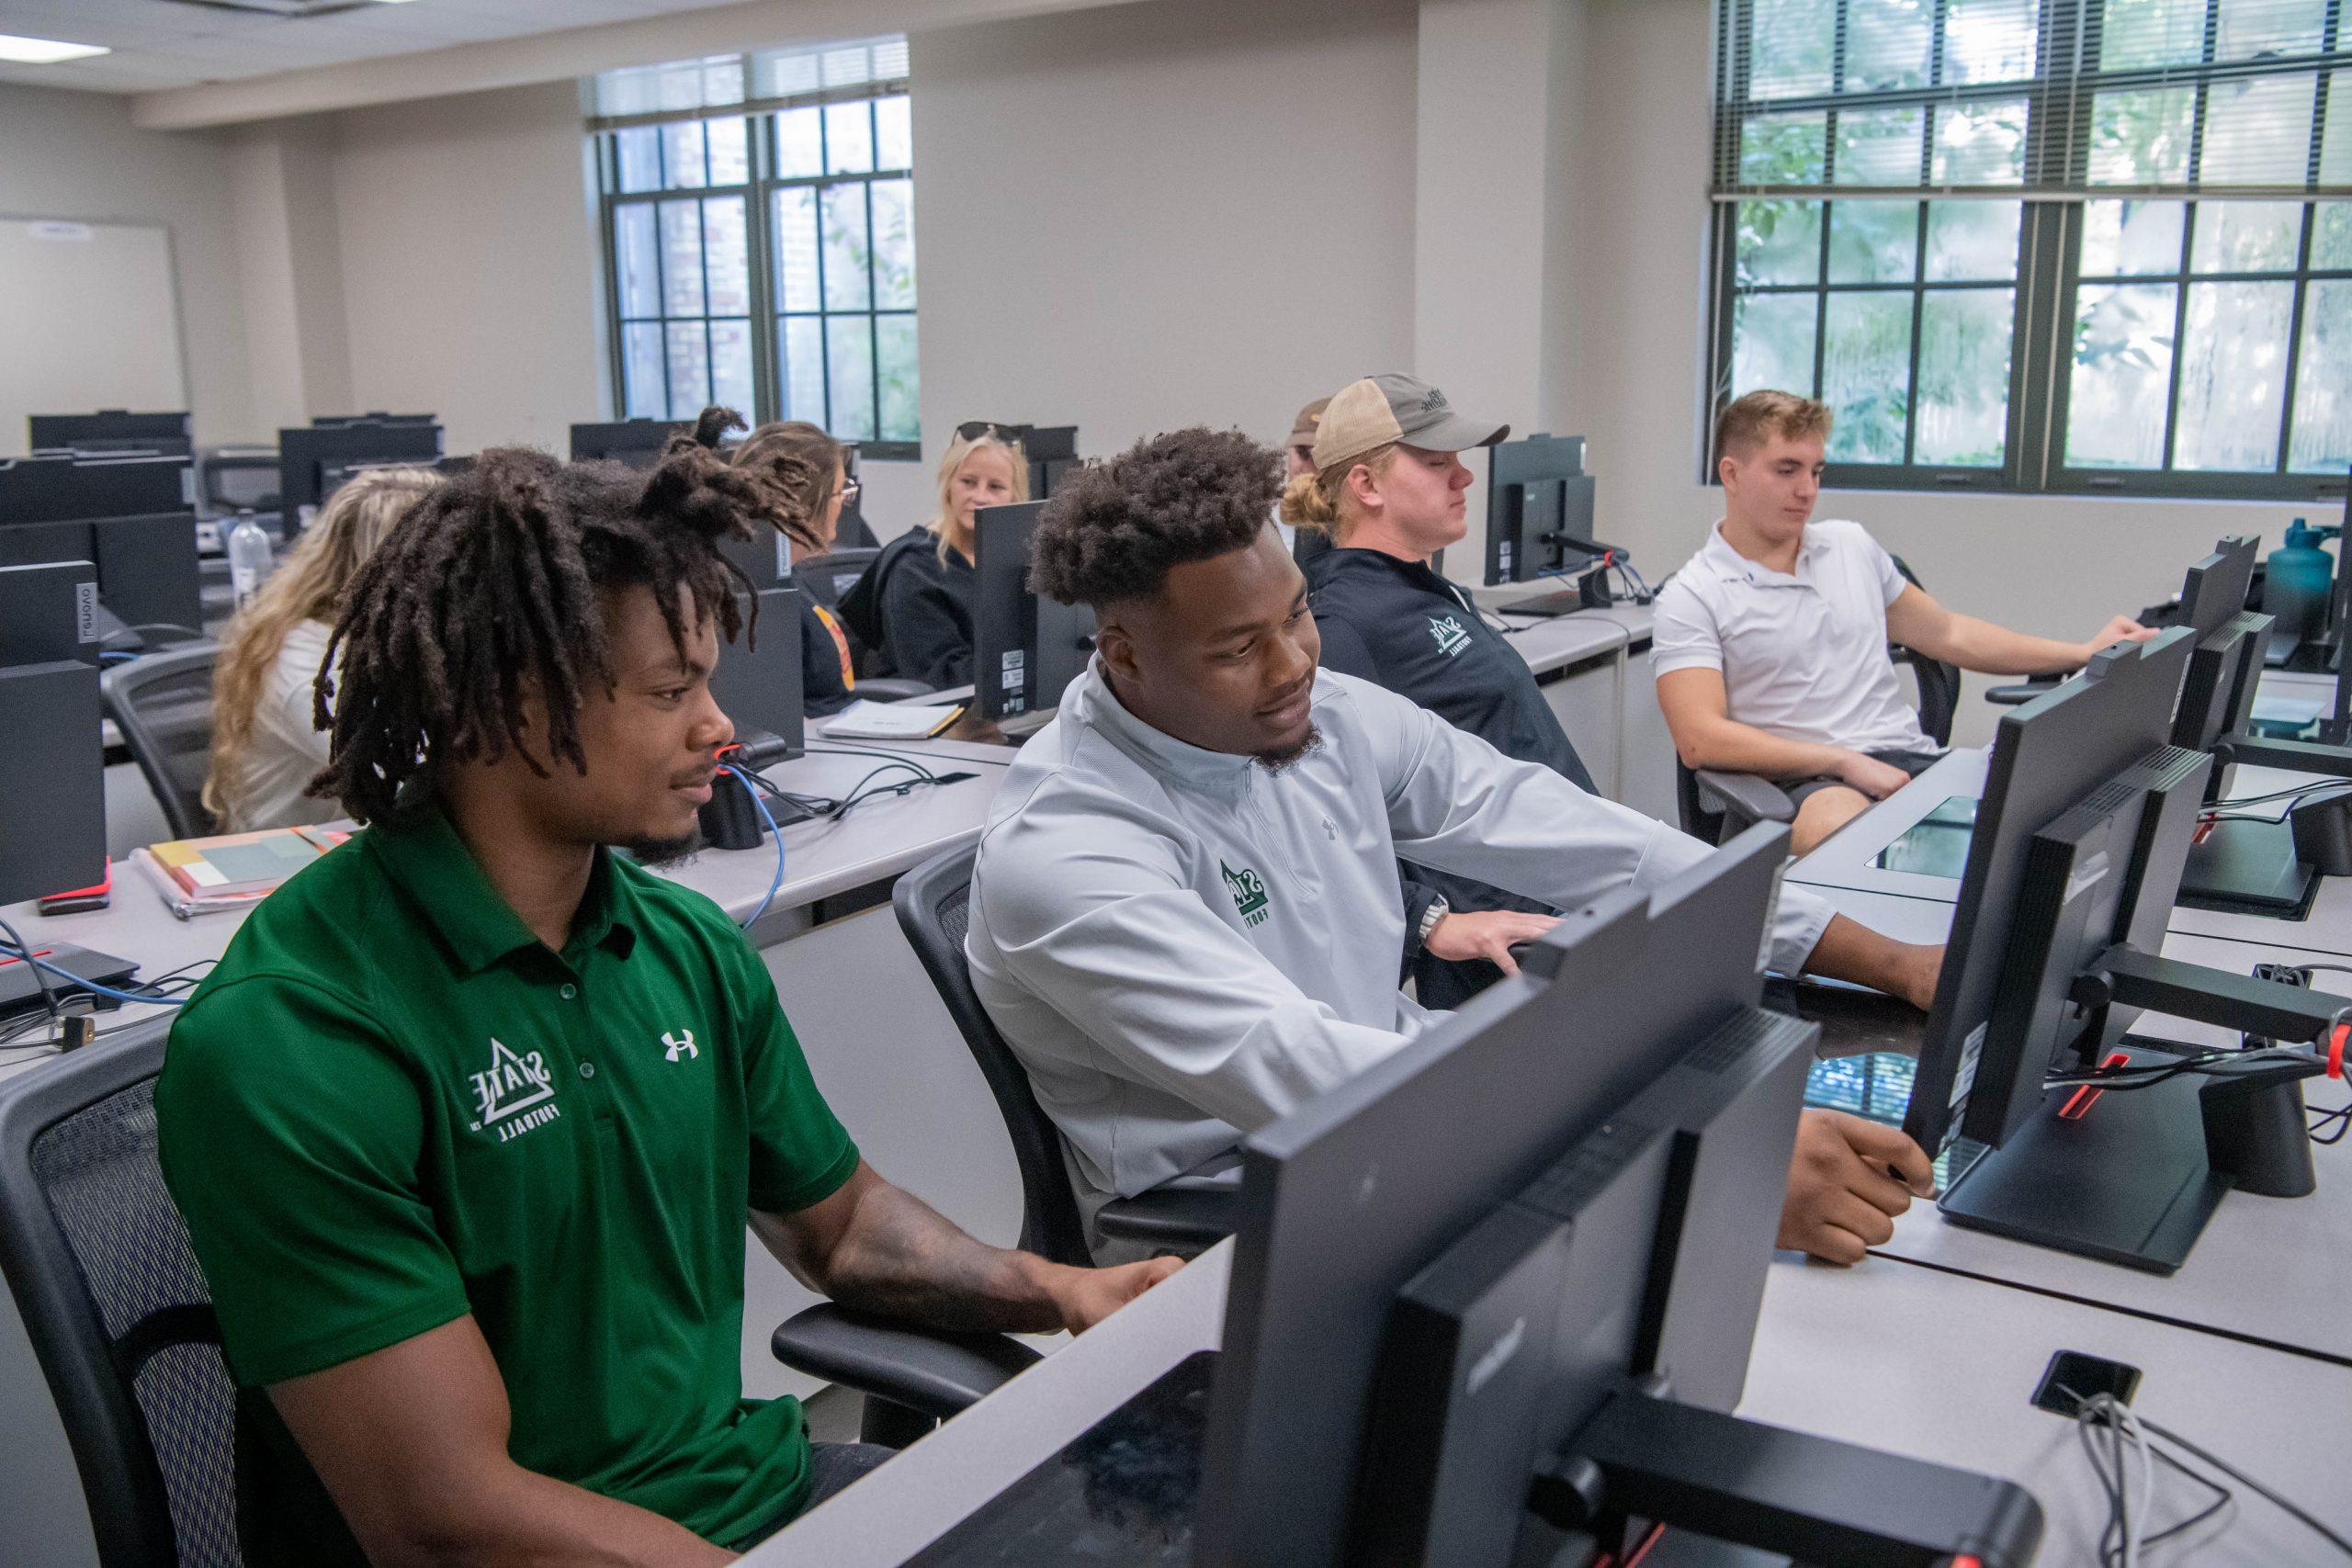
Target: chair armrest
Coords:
[(1747, 798), (932, 1370), (1188, 1220), (889, 688), (2024, 691)]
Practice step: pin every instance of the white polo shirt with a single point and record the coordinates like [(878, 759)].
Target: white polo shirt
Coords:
[(1802, 653)]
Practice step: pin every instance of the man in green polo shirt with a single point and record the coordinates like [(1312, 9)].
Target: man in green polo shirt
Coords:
[(468, 1121)]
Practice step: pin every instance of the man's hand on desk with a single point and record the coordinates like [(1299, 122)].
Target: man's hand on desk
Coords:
[(1841, 1199), (1876, 779), (1489, 935), (1087, 1296)]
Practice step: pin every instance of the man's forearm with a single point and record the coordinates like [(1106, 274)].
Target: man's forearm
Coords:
[(1851, 951), (901, 1258), (523, 1519), (1989, 649), (1738, 748)]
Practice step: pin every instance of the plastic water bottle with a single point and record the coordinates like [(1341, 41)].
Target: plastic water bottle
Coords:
[(249, 559), (2296, 581)]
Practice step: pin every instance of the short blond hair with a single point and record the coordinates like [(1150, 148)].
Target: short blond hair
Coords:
[(1754, 419), (962, 447)]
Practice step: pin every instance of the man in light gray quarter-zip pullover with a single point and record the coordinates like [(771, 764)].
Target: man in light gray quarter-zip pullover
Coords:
[(1185, 913)]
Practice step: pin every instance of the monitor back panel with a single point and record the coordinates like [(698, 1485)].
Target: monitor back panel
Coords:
[(1350, 1196)]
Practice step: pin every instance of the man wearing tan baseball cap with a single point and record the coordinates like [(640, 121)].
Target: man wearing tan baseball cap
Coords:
[(1387, 410)]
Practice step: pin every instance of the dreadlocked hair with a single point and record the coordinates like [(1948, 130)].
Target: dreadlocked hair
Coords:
[(796, 461), (494, 586)]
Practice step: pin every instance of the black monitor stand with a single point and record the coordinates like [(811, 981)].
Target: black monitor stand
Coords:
[(2130, 1175), (2257, 868)]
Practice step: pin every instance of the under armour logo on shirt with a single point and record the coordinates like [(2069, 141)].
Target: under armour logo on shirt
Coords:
[(680, 1048)]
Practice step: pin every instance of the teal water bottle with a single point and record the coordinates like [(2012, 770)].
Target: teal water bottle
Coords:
[(2296, 581)]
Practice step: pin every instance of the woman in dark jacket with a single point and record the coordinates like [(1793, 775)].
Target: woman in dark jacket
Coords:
[(926, 587)]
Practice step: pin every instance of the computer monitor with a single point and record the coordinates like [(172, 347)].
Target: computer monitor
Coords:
[(313, 461), (1539, 523), (374, 416), (758, 682), (1025, 648), (110, 430), (2073, 865), (52, 795), (1535, 1237), (131, 516), (636, 442)]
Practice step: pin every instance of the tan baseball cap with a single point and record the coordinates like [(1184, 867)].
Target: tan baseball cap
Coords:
[(1378, 409), (1309, 421)]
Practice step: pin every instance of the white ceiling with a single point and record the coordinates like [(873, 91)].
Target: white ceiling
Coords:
[(165, 43)]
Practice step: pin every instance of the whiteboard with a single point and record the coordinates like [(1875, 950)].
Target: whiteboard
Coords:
[(89, 319)]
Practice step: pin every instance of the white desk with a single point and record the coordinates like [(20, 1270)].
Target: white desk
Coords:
[(2270, 1269), (1843, 861), (1921, 1364)]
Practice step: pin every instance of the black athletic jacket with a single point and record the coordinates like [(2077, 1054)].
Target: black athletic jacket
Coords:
[(1401, 625)]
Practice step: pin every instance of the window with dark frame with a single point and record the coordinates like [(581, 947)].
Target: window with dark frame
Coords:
[(763, 256), (2043, 245)]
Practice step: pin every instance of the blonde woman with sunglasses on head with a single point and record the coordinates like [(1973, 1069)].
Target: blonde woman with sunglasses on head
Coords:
[(266, 746)]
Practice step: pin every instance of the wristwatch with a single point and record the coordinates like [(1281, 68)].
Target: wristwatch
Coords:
[(1437, 911)]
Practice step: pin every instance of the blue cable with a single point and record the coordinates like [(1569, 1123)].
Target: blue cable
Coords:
[(761, 807), (92, 985)]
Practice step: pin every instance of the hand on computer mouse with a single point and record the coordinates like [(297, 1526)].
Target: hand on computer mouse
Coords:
[(1843, 1198), (1489, 935)]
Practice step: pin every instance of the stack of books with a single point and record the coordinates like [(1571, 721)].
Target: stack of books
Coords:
[(200, 877)]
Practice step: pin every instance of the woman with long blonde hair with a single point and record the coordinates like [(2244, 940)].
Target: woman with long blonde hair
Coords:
[(926, 593), (266, 746)]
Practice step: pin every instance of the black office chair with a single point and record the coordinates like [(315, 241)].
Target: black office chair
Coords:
[(1717, 805), (912, 1377), (825, 579), (163, 705), (117, 1309)]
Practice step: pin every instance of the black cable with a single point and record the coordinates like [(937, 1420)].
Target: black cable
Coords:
[(41, 976), (913, 762), (2337, 1541)]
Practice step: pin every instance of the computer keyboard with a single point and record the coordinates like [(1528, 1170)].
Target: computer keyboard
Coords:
[(1124, 1491)]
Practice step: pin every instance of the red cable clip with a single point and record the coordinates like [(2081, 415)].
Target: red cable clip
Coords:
[(2335, 1050)]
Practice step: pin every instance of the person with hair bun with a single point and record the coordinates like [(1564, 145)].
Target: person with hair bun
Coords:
[(468, 1125), (266, 743), (808, 472), (1384, 481)]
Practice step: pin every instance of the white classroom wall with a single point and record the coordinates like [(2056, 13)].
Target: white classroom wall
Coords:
[(1132, 217), (76, 155)]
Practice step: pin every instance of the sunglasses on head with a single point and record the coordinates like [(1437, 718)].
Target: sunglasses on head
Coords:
[(973, 429)]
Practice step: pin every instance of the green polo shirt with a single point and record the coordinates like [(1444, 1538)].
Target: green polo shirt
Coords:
[(390, 1105)]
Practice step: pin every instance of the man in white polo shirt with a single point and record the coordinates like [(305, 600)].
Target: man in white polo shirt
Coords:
[(1771, 642)]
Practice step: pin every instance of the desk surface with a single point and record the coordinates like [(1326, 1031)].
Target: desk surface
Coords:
[(2266, 1269), (1555, 642), (1932, 1365), (1843, 861), (877, 840)]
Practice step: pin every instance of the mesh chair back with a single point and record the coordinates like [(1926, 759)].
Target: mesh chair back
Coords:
[(116, 1306), (933, 905), (163, 705), (827, 577), (1939, 681), (1698, 822)]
